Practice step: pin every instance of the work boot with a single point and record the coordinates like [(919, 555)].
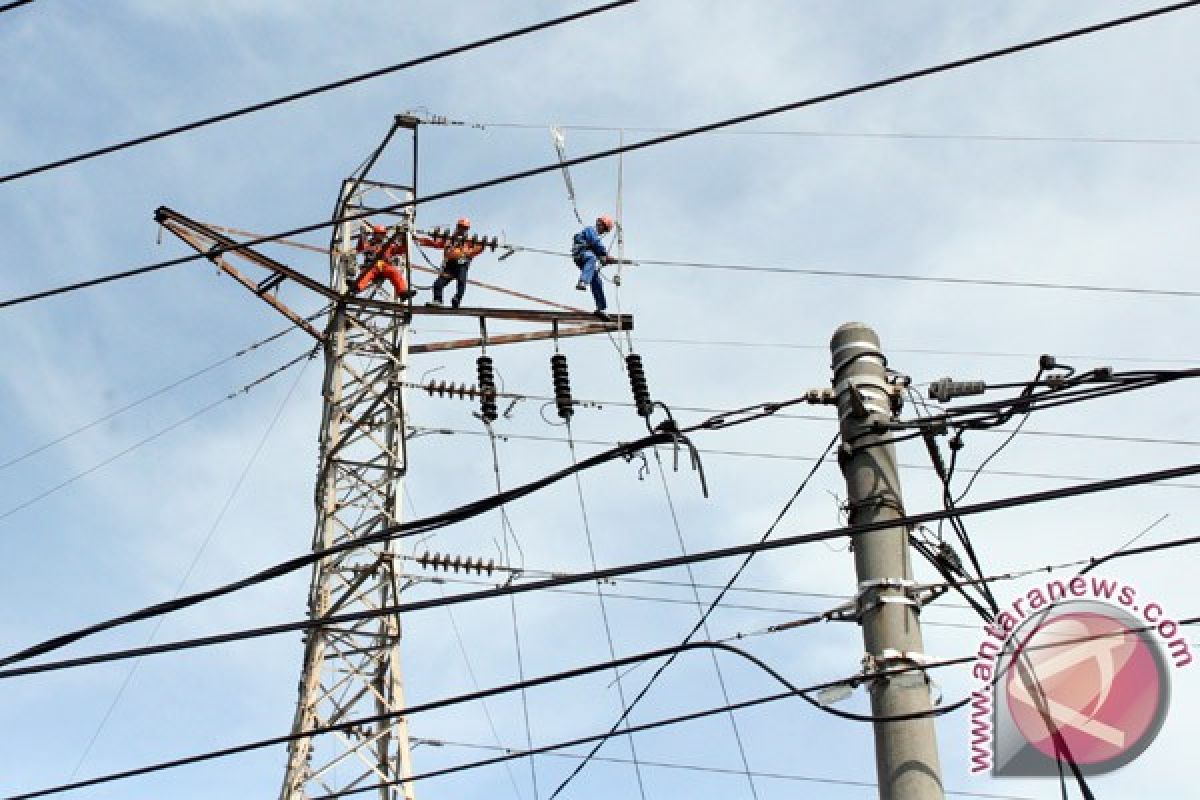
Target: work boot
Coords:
[(581, 286), (435, 303)]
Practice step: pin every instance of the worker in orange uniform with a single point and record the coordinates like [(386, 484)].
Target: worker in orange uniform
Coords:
[(457, 254), (382, 260)]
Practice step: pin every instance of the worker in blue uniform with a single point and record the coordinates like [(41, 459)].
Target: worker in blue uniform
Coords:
[(589, 252)]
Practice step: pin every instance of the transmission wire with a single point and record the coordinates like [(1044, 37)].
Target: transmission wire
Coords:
[(737, 734), (305, 93), (587, 529), (158, 623), (703, 618), (507, 529), (653, 142)]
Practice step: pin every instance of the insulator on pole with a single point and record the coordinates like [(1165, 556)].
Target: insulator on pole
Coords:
[(447, 562), (450, 389), (562, 386), (948, 389), (637, 382), (487, 389)]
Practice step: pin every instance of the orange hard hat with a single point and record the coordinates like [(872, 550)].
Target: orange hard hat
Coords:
[(605, 221), (378, 229), (464, 222)]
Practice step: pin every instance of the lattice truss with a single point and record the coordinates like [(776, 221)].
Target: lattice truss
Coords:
[(352, 671)]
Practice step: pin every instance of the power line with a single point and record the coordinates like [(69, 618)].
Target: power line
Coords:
[(151, 395), (612, 653), (791, 457), (156, 435), (702, 622), (714, 770), (349, 725), (733, 724), (919, 351), (305, 93), (14, 4), (692, 603), (818, 134), (729, 551), (187, 574), (895, 276), (632, 147)]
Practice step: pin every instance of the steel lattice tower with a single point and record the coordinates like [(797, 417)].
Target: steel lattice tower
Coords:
[(353, 670), (351, 691)]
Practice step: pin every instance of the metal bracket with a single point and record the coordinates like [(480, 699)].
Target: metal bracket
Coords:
[(869, 598), (891, 659)]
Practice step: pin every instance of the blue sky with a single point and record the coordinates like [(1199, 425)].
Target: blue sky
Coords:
[(77, 75)]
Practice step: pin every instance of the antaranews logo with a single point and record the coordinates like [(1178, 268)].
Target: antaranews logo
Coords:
[(1072, 670)]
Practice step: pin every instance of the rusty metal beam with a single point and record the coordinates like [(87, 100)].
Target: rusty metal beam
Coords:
[(624, 321), (190, 238), (418, 267), (511, 338), (164, 215)]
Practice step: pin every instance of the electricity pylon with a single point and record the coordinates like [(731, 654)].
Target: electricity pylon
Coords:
[(353, 670), (349, 726)]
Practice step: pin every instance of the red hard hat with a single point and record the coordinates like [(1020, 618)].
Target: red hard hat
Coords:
[(378, 229), (464, 222), (604, 220)]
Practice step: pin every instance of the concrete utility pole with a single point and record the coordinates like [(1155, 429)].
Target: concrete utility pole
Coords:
[(906, 756)]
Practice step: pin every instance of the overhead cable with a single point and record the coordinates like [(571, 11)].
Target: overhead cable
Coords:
[(834, 134), (416, 709), (632, 147), (1135, 479), (785, 776), (793, 691), (151, 395), (303, 357), (701, 623), (305, 93)]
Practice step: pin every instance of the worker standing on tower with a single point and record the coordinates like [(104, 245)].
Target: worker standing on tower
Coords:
[(589, 252), (457, 254), (383, 258)]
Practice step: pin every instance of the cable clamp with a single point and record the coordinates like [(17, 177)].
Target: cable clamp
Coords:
[(867, 395), (891, 659), (870, 595)]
